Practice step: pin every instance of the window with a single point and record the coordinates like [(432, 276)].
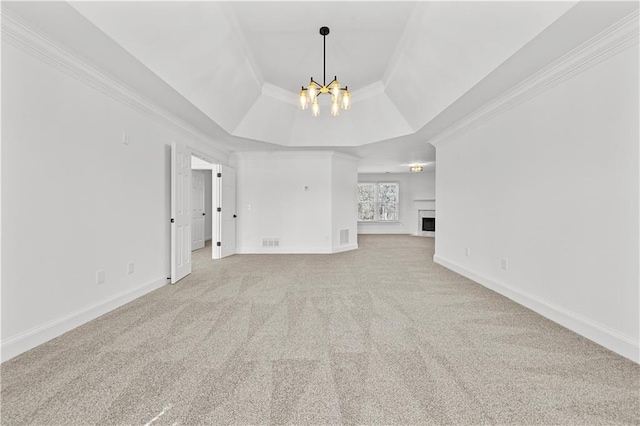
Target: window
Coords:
[(378, 202)]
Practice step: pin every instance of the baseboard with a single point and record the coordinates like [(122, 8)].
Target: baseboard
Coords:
[(341, 249), (283, 250), (611, 339), (295, 250), (362, 231), (16, 345)]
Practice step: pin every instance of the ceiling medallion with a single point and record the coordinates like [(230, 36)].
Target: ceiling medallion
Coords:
[(340, 97)]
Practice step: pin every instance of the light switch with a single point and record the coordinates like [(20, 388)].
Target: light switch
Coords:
[(100, 278)]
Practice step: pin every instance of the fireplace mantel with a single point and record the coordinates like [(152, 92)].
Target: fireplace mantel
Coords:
[(424, 204)]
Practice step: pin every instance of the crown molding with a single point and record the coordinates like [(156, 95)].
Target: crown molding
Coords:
[(374, 89), (292, 155), (277, 92), (613, 40), (40, 45), (344, 156)]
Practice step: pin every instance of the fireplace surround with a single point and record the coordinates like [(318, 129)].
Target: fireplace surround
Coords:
[(427, 223)]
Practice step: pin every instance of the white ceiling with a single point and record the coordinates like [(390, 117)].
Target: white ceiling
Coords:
[(242, 63), (287, 48)]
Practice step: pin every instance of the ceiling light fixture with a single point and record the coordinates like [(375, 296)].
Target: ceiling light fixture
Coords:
[(416, 169), (340, 97)]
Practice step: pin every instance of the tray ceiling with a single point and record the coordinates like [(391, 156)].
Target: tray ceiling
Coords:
[(242, 63)]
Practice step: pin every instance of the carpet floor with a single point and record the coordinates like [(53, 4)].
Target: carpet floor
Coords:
[(379, 335)]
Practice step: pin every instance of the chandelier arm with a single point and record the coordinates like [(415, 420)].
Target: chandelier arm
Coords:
[(314, 82)]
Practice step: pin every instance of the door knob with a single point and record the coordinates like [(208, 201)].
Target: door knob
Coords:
[(203, 214), (235, 215)]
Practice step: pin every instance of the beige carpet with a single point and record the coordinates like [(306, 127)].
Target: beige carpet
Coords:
[(380, 335)]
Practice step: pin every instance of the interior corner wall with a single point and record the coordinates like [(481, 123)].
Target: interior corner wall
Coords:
[(552, 186), (284, 196), (413, 187), (76, 200), (344, 208)]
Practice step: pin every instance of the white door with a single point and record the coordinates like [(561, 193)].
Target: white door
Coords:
[(225, 212), (180, 212), (197, 210)]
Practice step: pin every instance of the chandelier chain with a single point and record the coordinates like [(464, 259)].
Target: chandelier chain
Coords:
[(324, 60)]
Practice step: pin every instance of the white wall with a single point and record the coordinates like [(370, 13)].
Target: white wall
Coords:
[(552, 185), (344, 208), (413, 186), (75, 200), (289, 195)]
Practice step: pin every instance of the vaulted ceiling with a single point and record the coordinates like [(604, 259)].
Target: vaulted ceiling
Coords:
[(242, 63)]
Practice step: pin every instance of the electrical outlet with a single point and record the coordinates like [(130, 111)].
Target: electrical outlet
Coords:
[(130, 268), (467, 251), (100, 278), (505, 263)]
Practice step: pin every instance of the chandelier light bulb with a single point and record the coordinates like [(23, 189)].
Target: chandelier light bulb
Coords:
[(315, 108), (335, 89), (304, 104), (335, 108), (346, 100), (313, 90)]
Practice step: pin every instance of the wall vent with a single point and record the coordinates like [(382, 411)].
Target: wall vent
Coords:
[(344, 237), (271, 242)]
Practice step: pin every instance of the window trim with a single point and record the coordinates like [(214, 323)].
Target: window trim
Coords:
[(377, 201)]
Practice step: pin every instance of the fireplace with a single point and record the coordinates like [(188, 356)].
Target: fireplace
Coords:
[(427, 223)]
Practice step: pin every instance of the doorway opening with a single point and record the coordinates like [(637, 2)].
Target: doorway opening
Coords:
[(213, 204), (202, 217), (191, 198)]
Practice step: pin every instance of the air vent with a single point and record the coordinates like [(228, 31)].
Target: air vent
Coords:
[(344, 237), (271, 242)]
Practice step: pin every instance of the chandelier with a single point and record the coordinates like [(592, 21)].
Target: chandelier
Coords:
[(340, 97)]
